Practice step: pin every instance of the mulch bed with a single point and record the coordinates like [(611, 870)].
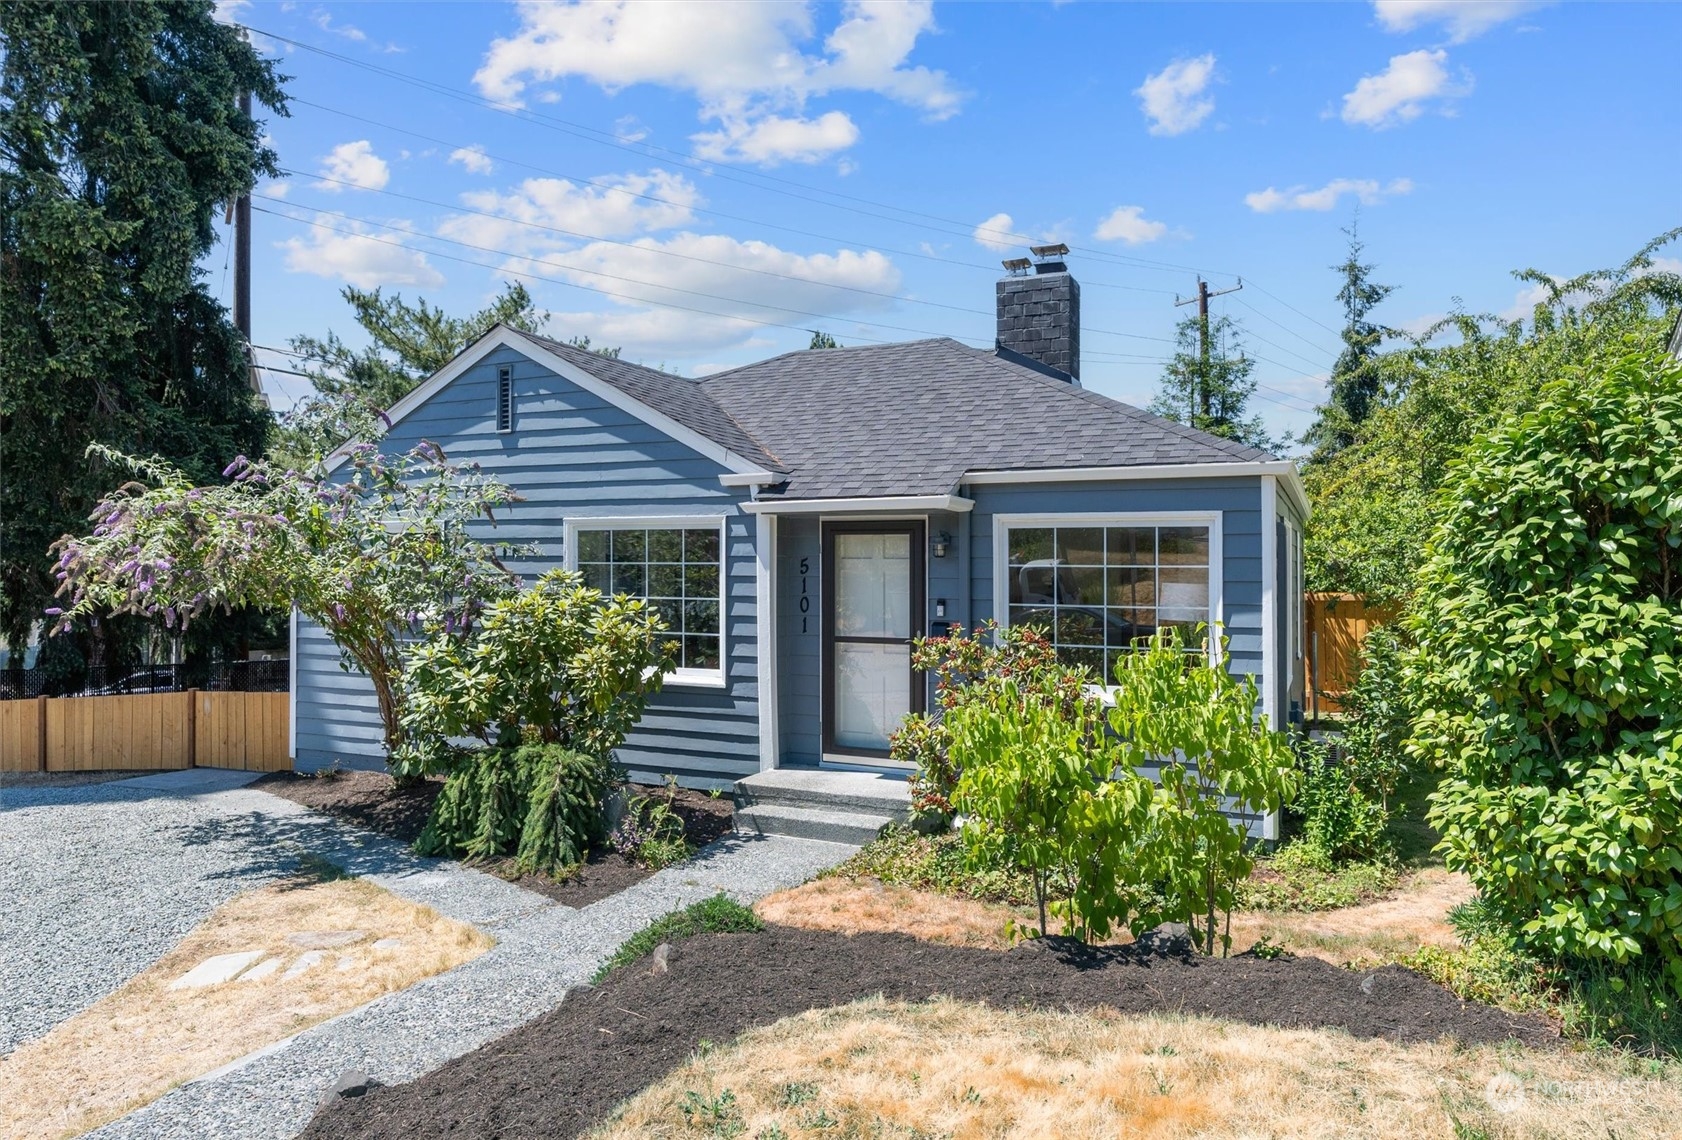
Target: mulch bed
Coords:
[(563, 1073), (371, 800)]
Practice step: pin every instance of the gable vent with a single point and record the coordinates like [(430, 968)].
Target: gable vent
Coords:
[(505, 399)]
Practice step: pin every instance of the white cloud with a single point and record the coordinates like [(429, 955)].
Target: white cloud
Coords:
[(714, 276), (230, 11), (615, 210), (744, 61), (1525, 302), (359, 259), (277, 189), (1464, 19), (1129, 224), (994, 233), (1399, 93), (774, 139), (1368, 191), (1174, 99), (473, 159), (351, 32), (629, 128), (357, 164)]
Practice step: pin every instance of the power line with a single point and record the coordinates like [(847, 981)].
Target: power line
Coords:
[(1287, 328), (688, 257), (711, 167), (595, 289), (646, 196)]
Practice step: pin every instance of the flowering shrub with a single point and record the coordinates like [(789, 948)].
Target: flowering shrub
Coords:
[(374, 556), (968, 667)]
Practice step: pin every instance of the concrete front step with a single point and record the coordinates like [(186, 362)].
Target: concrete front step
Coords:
[(872, 793), (856, 828)]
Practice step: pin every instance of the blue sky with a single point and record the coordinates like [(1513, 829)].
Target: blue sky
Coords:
[(701, 183)]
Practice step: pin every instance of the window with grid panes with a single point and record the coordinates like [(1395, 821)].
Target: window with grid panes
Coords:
[(676, 570), (1096, 589)]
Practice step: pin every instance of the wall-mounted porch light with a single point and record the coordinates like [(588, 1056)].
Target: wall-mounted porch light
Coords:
[(941, 543)]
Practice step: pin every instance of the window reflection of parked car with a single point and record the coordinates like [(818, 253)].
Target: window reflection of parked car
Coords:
[(1083, 625), (145, 681), (1046, 582)]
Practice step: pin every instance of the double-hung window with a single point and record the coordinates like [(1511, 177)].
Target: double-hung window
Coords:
[(677, 566), (1096, 584)]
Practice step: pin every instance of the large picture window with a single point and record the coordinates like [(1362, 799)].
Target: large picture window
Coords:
[(676, 568), (1095, 585)]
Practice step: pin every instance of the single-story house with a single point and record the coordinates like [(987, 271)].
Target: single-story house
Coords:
[(800, 520)]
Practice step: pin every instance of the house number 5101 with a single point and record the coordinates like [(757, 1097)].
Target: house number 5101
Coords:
[(805, 598)]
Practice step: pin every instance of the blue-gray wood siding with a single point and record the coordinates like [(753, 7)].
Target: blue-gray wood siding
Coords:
[(571, 455)]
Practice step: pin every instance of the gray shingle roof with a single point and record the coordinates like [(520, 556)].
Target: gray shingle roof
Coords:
[(910, 419), (904, 419), (682, 399)]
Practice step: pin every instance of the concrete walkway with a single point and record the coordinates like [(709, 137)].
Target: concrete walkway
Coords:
[(542, 950)]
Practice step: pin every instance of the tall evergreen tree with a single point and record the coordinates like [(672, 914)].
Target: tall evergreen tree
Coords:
[(821, 339), (1356, 382), (1207, 384), (121, 140)]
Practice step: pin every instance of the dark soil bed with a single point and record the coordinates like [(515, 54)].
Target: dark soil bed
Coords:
[(372, 800), (563, 1073)]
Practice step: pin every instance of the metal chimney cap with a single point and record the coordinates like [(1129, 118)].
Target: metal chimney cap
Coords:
[(1017, 266), (1058, 250)]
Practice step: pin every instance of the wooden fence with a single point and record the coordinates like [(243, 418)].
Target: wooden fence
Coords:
[(1336, 625), (248, 731)]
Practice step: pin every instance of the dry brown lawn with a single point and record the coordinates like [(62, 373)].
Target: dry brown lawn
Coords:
[(144, 1039), (965, 1071), (1414, 915)]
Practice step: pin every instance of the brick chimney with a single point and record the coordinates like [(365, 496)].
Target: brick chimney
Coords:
[(1039, 311)]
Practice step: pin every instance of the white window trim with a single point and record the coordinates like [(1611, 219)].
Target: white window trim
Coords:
[(680, 678), (1003, 524)]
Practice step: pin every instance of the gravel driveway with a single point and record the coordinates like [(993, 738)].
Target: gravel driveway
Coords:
[(99, 880), (115, 874)]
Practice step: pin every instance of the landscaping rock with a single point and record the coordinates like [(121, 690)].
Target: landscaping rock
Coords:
[(261, 970), (325, 939), (388, 944), (215, 971), (1171, 938), (661, 959), (306, 961), (351, 1083)]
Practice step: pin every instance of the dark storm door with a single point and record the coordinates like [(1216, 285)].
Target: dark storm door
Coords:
[(873, 607)]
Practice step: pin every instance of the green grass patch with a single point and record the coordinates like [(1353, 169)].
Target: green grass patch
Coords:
[(720, 914), (1411, 838), (935, 863), (1300, 877)]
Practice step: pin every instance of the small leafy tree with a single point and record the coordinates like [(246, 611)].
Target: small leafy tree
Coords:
[(1357, 382), (966, 666), (1549, 628), (550, 680), (1196, 724), (1041, 791), (375, 557)]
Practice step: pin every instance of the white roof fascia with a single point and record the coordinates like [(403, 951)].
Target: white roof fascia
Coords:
[(955, 503), (504, 337), (750, 479), (1284, 469)]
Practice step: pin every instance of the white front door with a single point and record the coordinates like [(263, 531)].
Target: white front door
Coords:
[(873, 610)]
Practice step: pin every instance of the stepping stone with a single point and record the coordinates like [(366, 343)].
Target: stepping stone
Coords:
[(261, 970), (306, 961), (388, 944), (215, 971), (325, 939), (346, 962)]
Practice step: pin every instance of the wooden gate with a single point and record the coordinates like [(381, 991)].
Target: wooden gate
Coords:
[(1336, 626)]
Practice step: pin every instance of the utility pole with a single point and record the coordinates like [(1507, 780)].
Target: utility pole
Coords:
[(1202, 300)]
